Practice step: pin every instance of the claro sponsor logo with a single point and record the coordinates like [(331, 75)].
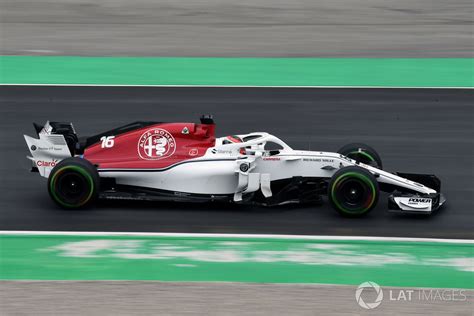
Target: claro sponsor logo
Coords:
[(47, 163)]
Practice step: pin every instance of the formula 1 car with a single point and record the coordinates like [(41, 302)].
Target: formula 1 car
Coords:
[(186, 162)]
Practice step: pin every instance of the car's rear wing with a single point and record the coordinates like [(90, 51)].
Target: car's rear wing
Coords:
[(53, 144)]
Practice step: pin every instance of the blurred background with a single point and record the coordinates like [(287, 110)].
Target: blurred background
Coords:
[(276, 28)]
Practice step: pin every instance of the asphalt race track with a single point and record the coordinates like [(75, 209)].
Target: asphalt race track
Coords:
[(414, 130)]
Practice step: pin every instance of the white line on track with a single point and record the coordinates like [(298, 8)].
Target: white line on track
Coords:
[(255, 236), (219, 86)]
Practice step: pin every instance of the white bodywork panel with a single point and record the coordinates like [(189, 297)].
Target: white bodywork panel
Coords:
[(205, 177)]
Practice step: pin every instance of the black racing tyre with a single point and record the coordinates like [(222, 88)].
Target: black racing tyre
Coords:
[(362, 153), (353, 191), (74, 183)]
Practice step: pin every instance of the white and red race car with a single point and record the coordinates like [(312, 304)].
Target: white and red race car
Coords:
[(186, 162)]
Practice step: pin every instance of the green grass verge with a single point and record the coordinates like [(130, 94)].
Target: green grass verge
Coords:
[(380, 72), (414, 264)]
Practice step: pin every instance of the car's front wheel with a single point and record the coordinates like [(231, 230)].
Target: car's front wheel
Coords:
[(74, 183), (362, 153), (353, 191)]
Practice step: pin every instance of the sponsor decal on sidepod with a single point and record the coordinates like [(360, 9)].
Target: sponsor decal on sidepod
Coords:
[(415, 203), (45, 163), (156, 143)]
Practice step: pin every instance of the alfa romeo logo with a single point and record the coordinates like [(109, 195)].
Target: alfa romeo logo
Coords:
[(156, 144)]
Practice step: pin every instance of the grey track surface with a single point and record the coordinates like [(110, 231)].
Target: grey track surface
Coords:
[(336, 28), (157, 298), (421, 131)]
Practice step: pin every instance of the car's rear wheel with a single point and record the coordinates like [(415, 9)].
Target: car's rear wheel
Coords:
[(353, 191), (362, 153), (74, 183)]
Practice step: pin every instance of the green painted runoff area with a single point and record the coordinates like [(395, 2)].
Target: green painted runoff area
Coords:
[(238, 259), (370, 72)]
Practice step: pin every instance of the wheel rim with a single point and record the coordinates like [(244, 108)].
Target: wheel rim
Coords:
[(353, 193), (71, 186)]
